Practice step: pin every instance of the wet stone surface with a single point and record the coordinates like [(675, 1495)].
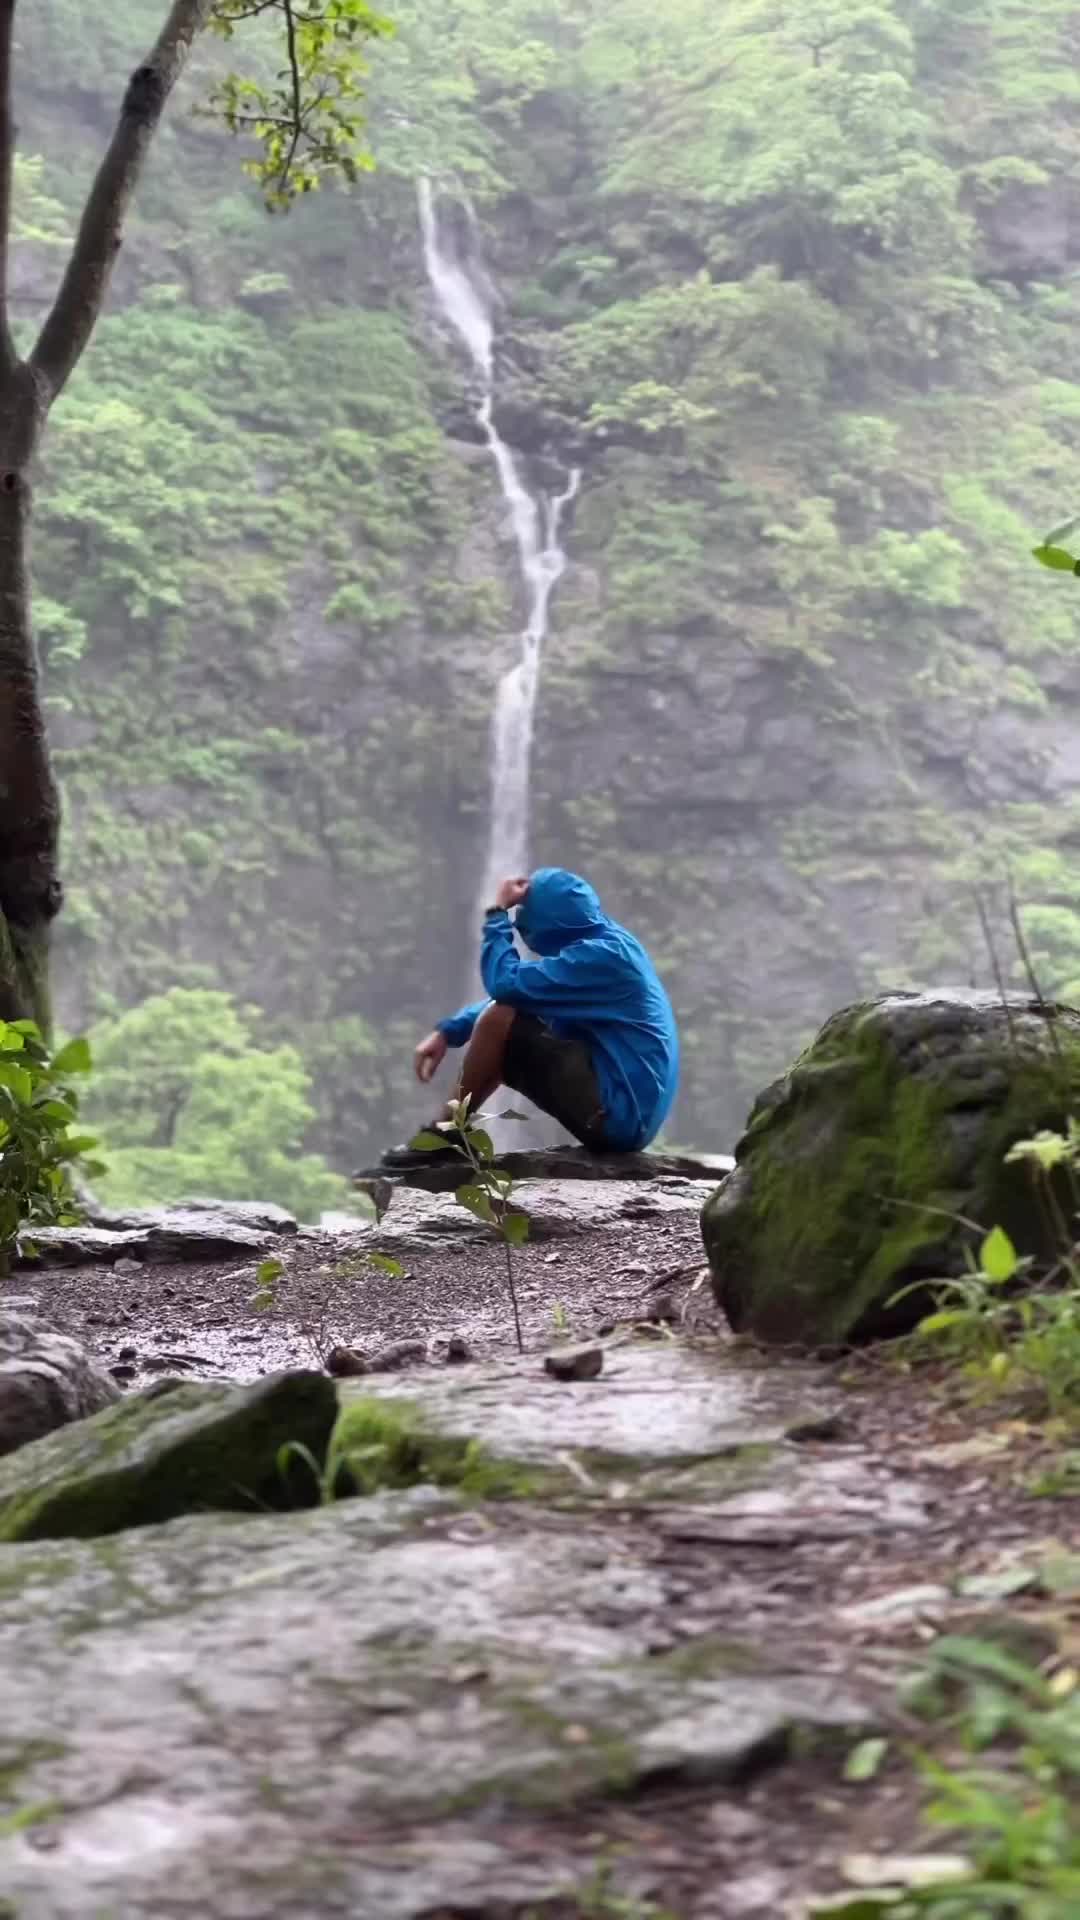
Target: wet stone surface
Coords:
[(418, 1707), (566, 1163), (201, 1230), (46, 1378), (385, 1662), (664, 1402), (555, 1209)]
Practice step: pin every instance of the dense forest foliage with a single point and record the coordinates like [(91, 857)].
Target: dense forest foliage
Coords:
[(795, 282)]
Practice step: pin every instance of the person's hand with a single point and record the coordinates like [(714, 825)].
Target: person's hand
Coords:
[(429, 1056), (511, 893)]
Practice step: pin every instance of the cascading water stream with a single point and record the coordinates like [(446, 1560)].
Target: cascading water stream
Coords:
[(536, 525)]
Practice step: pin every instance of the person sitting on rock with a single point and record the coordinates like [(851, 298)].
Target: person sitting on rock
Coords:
[(585, 1030)]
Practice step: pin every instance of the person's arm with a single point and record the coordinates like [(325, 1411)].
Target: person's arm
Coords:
[(451, 1032), (457, 1028), (564, 981)]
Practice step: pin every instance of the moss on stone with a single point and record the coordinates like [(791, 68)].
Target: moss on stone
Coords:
[(142, 1461), (34, 1814), (825, 1231), (856, 1169), (379, 1444), (13, 1765)]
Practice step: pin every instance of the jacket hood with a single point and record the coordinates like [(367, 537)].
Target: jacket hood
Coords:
[(558, 908)]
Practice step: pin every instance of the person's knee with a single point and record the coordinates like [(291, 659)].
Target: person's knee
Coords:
[(498, 1018)]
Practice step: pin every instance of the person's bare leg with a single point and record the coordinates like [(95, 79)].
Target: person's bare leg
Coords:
[(482, 1068)]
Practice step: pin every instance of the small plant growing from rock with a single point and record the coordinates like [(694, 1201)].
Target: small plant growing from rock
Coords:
[(38, 1144), (1017, 1329), (382, 1445), (1014, 1845), (316, 1311), (487, 1191)]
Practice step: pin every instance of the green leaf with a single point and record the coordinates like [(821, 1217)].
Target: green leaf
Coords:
[(481, 1143), (1061, 1575), (291, 1450), (268, 1271), (428, 1142), (515, 1228), (17, 1080), (865, 1906), (1055, 558), (75, 1144), (74, 1058), (938, 1322), (998, 1258), (864, 1761), (11, 1040), (477, 1200), (961, 1653), (385, 1265), (997, 1586), (1046, 1149)]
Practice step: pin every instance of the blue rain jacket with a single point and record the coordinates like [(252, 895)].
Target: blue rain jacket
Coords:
[(592, 982)]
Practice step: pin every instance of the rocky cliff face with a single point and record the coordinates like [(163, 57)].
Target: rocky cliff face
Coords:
[(804, 685)]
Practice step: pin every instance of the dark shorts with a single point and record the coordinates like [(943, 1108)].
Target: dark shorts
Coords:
[(558, 1076)]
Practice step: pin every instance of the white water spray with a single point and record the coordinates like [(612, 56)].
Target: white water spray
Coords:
[(536, 524)]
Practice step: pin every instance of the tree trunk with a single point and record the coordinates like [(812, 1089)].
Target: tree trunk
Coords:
[(30, 892)]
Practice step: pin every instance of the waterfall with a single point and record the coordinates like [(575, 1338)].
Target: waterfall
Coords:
[(465, 301)]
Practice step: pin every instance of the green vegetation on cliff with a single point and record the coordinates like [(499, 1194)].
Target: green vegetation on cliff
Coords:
[(798, 292)]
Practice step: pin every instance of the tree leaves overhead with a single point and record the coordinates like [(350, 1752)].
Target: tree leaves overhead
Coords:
[(307, 116)]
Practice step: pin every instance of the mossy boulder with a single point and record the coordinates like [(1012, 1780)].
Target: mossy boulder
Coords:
[(199, 1447), (855, 1167)]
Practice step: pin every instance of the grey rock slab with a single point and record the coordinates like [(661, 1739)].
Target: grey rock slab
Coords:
[(249, 1718), (151, 1458), (77, 1247), (171, 1234), (667, 1402), (555, 1208), (806, 1499), (566, 1163), (259, 1216), (46, 1379)]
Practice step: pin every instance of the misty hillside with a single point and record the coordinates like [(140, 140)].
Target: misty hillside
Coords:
[(799, 297)]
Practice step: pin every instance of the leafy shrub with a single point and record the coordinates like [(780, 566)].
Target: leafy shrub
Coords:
[(1014, 1327), (38, 1144), (190, 1104), (1014, 1815)]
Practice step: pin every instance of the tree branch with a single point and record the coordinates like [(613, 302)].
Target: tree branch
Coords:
[(7, 168), (297, 91), (82, 292)]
